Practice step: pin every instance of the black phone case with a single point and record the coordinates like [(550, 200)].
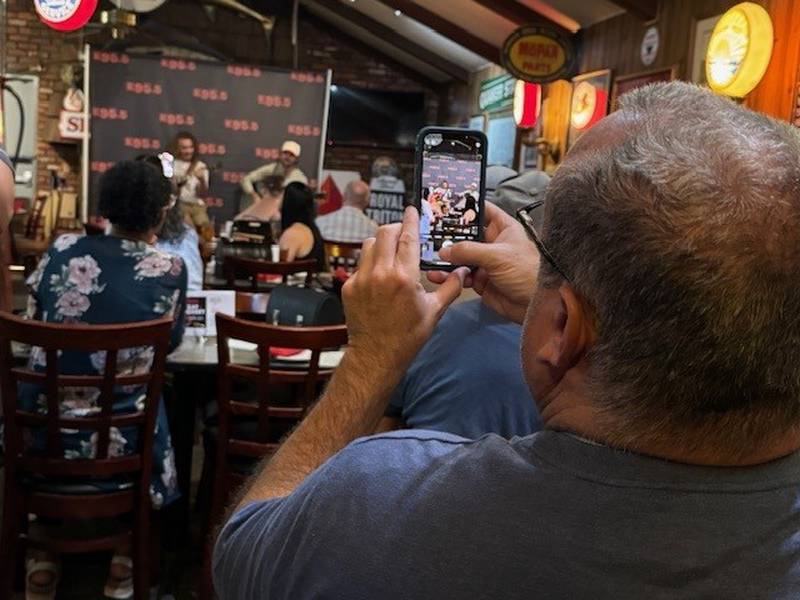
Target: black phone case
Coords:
[(417, 197)]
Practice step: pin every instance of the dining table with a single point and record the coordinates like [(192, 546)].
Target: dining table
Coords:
[(192, 367)]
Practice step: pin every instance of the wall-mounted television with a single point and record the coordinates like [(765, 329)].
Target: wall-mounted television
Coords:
[(374, 118)]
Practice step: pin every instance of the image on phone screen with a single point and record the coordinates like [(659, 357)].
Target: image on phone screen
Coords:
[(450, 203)]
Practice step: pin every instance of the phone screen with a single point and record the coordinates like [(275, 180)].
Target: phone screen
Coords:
[(451, 169)]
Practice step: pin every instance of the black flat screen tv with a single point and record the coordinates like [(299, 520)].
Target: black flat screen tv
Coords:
[(374, 118)]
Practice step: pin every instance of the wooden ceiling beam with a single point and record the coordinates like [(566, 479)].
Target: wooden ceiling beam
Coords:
[(390, 36), (448, 29), (368, 50), (646, 10), (521, 14)]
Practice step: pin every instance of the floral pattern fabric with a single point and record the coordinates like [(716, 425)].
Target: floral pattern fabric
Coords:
[(105, 280)]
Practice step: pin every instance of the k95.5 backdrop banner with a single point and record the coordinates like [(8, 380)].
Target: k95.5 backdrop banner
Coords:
[(239, 114)]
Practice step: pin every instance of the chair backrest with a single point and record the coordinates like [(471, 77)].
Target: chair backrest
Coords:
[(53, 339), (237, 267), (343, 255), (34, 225), (263, 375)]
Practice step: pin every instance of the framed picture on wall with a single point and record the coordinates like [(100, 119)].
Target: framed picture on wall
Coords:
[(703, 28), (589, 102), (626, 83)]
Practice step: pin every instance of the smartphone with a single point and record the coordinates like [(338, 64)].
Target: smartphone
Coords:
[(450, 190)]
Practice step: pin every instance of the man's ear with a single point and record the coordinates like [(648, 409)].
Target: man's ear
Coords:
[(571, 328)]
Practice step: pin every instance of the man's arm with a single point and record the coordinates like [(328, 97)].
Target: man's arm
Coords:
[(389, 318), (254, 176)]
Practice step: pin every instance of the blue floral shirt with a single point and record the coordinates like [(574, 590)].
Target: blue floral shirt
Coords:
[(105, 280)]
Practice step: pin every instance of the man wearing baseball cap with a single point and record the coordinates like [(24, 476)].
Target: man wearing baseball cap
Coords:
[(286, 166)]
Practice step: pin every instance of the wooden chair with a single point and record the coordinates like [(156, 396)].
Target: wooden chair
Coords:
[(32, 243), (260, 439), (342, 254), (26, 468), (237, 267)]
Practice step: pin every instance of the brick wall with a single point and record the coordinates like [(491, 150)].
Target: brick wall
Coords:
[(32, 48)]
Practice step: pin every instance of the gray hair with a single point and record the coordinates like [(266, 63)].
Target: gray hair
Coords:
[(684, 238)]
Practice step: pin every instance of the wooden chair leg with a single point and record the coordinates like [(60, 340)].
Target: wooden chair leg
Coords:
[(9, 538), (141, 551), (206, 590)]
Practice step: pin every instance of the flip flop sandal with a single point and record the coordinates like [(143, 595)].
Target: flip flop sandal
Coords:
[(34, 591), (120, 589)]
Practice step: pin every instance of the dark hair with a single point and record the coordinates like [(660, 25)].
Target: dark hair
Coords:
[(174, 227), (298, 206), (273, 184), (683, 239), (183, 135), (132, 194)]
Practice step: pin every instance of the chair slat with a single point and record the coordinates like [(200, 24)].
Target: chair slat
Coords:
[(29, 419), (29, 376), (107, 403)]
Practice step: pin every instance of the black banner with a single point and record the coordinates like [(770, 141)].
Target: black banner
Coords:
[(240, 115)]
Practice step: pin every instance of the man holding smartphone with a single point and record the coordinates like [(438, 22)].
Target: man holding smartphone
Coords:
[(661, 345)]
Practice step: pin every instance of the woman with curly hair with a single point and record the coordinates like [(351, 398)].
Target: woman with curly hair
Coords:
[(116, 278)]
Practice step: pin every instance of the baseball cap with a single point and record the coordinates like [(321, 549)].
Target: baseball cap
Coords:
[(292, 147), (512, 194), (495, 175)]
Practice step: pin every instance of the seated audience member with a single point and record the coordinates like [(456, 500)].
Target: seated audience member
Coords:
[(443, 390), (180, 239), (349, 223), (661, 347), (6, 212), (103, 279), (267, 207), (300, 237)]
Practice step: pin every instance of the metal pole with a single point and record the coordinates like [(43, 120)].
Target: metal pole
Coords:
[(86, 138)]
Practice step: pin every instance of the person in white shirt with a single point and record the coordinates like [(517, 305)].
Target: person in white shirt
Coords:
[(191, 178), (349, 223), (285, 166)]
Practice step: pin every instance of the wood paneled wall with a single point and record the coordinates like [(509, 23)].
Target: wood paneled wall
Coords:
[(615, 44)]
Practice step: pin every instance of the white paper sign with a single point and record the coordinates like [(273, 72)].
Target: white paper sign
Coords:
[(202, 307)]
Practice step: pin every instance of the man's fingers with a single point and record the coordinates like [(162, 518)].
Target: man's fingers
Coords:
[(408, 242), (496, 221), (446, 293), (366, 260), (469, 253), (385, 247)]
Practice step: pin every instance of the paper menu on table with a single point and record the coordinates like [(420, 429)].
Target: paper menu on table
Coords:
[(202, 306)]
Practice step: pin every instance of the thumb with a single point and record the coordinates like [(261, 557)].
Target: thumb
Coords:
[(474, 254), (448, 291)]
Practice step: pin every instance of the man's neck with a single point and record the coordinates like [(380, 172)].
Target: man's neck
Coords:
[(565, 409)]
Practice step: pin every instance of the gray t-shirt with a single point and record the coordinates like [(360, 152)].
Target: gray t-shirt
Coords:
[(416, 514)]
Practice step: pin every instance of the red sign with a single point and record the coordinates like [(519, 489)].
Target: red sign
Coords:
[(65, 15)]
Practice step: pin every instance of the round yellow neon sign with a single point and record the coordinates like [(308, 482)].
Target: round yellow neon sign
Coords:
[(739, 50)]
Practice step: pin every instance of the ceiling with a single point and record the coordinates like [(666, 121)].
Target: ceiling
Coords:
[(445, 40)]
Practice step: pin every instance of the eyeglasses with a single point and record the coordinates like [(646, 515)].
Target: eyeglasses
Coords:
[(526, 220), (167, 164)]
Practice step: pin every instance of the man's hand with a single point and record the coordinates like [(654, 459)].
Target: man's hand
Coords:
[(389, 314), (389, 318), (507, 265)]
